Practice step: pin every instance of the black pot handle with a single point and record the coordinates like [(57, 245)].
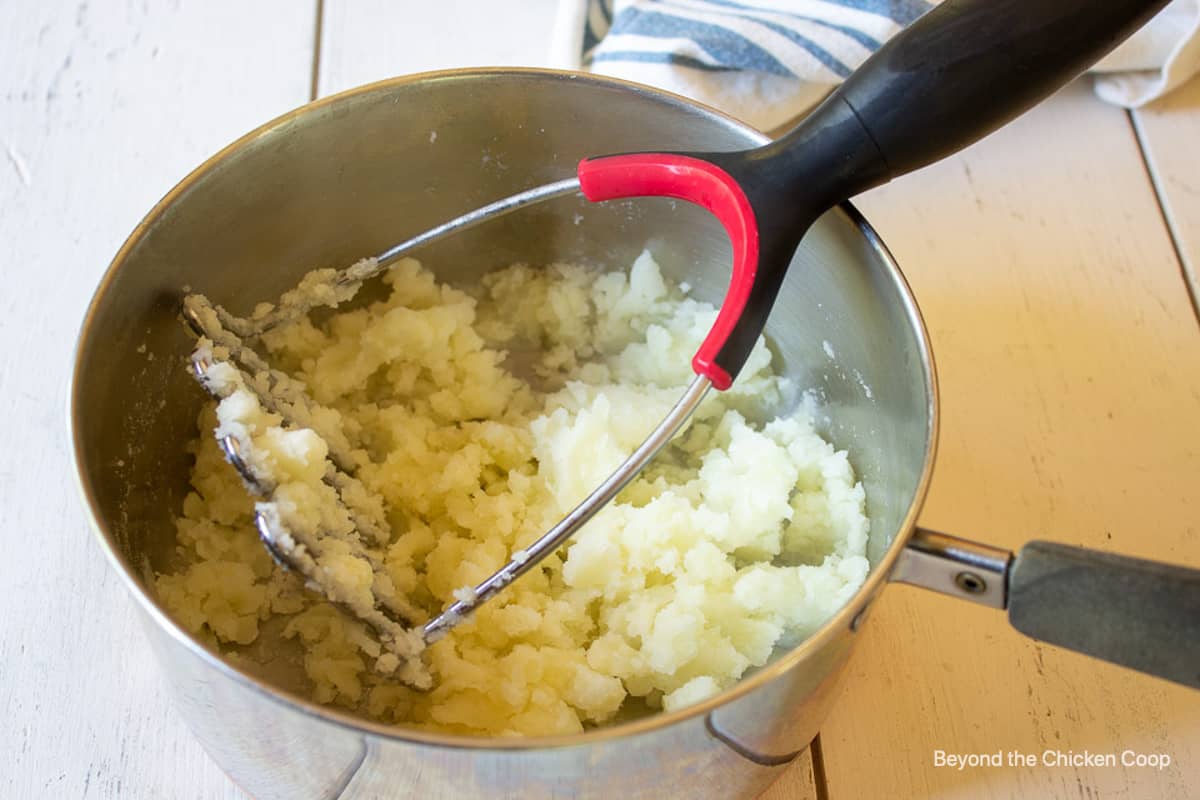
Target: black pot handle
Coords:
[(1140, 614), (1136, 613)]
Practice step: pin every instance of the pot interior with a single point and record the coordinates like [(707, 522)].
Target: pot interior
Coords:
[(350, 176)]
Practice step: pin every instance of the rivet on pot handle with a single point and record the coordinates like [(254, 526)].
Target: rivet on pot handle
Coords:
[(954, 566), (1140, 614)]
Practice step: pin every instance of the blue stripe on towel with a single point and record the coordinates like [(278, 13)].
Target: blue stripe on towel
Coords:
[(867, 41), (835, 65), (717, 45), (727, 48), (904, 12), (648, 57)]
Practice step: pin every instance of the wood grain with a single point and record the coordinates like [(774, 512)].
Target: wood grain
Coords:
[(103, 107), (1169, 132), (1070, 382), (798, 782)]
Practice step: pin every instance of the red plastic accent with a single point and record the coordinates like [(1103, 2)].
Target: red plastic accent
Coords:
[(708, 186)]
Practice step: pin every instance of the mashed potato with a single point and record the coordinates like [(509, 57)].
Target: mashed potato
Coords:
[(474, 422)]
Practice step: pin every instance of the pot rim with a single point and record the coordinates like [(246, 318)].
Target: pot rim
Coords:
[(832, 627)]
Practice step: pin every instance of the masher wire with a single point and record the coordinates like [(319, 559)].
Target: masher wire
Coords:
[(524, 561), (230, 330)]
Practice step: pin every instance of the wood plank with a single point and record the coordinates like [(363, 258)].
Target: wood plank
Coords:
[(1070, 381), (369, 40), (1169, 130), (103, 107), (798, 782)]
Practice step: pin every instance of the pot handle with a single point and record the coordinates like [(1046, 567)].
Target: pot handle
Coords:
[(1140, 614)]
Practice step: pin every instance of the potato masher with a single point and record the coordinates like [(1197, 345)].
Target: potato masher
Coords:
[(959, 72)]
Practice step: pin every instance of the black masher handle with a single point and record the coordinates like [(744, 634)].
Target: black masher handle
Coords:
[(956, 74)]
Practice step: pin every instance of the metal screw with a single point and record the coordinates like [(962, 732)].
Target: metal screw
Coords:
[(970, 583)]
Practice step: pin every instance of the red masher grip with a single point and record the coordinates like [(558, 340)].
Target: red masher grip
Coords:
[(707, 185)]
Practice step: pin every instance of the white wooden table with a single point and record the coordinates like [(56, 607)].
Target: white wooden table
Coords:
[(1051, 261)]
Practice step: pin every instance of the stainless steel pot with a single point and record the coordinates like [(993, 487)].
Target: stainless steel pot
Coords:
[(350, 174)]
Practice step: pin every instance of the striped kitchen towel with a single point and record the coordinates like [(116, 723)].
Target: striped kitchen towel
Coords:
[(766, 61)]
